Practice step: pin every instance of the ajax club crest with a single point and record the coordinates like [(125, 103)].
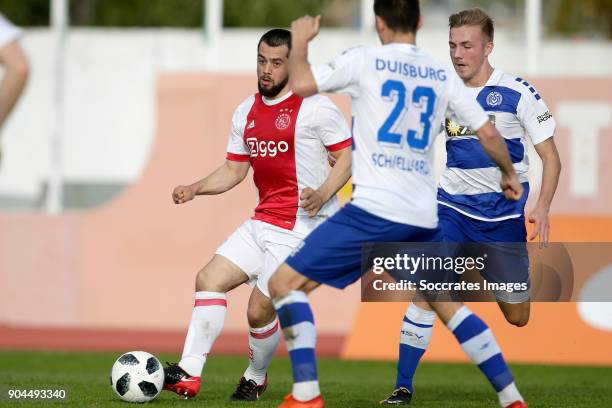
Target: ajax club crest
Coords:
[(283, 120)]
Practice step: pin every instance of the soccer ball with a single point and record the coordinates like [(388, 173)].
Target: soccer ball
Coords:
[(137, 376)]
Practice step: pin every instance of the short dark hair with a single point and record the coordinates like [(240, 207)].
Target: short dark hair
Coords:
[(276, 37), (399, 15), (473, 17)]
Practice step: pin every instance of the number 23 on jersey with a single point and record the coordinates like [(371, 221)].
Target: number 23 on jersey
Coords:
[(423, 97)]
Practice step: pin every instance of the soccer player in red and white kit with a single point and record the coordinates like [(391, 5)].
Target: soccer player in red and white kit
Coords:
[(286, 139)]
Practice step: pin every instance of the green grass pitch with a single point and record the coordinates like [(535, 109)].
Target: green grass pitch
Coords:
[(85, 377)]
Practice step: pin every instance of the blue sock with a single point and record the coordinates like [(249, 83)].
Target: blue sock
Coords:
[(477, 341), (296, 320), (414, 339)]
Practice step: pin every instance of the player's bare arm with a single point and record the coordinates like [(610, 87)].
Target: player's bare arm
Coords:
[(301, 80), (16, 71), (496, 148), (226, 177), (312, 200), (551, 169)]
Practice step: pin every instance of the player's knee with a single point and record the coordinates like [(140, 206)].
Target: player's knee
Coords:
[(517, 321), (518, 318), (278, 285), (260, 314), (209, 282), (275, 287)]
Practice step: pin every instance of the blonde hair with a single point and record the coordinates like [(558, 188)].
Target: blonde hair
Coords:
[(473, 17)]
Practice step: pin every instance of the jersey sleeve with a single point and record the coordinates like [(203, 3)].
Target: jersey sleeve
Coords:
[(330, 126), (8, 31), (463, 105), (535, 117), (342, 74), (237, 150)]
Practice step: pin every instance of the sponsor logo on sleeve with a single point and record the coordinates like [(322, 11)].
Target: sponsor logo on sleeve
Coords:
[(456, 129), (544, 117)]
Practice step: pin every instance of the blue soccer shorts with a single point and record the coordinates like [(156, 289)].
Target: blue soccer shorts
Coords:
[(331, 254), (503, 241)]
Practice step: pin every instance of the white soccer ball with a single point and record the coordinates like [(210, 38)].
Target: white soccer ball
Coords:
[(137, 376)]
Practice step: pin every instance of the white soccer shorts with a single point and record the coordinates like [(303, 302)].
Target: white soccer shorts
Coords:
[(259, 248)]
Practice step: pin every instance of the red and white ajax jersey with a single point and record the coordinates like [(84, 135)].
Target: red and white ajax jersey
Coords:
[(286, 140)]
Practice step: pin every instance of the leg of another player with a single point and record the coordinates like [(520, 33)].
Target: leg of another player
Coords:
[(415, 335), (288, 290), (516, 313), (217, 278), (264, 336), (478, 342)]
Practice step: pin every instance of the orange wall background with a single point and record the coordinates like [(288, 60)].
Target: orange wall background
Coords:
[(131, 264)]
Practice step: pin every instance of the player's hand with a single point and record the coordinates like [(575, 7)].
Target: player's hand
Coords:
[(331, 160), (182, 194), (511, 187), (539, 217), (311, 201), (305, 28)]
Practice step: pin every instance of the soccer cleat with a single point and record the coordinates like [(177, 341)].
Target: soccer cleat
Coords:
[(178, 381), (400, 396), (290, 402), (248, 390), (517, 404)]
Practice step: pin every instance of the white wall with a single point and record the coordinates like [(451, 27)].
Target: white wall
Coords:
[(109, 121)]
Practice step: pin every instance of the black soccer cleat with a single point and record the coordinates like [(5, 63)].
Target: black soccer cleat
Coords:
[(248, 390), (178, 381), (400, 396)]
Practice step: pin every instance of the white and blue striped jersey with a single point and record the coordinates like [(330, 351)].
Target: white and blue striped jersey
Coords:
[(399, 95), (470, 182)]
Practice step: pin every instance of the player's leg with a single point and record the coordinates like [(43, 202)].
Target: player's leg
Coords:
[(331, 254), (264, 336), (288, 289), (415, 334), (418, 321), (478, 343), (472, 333), (213, 281), (218, 277), (236, 260), (509, 263), (516, 313), (286, 280)]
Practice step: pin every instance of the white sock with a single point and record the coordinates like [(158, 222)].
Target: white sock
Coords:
[(417, 335), (262, 345), (206, 323), (509, 395), (306, 390)]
